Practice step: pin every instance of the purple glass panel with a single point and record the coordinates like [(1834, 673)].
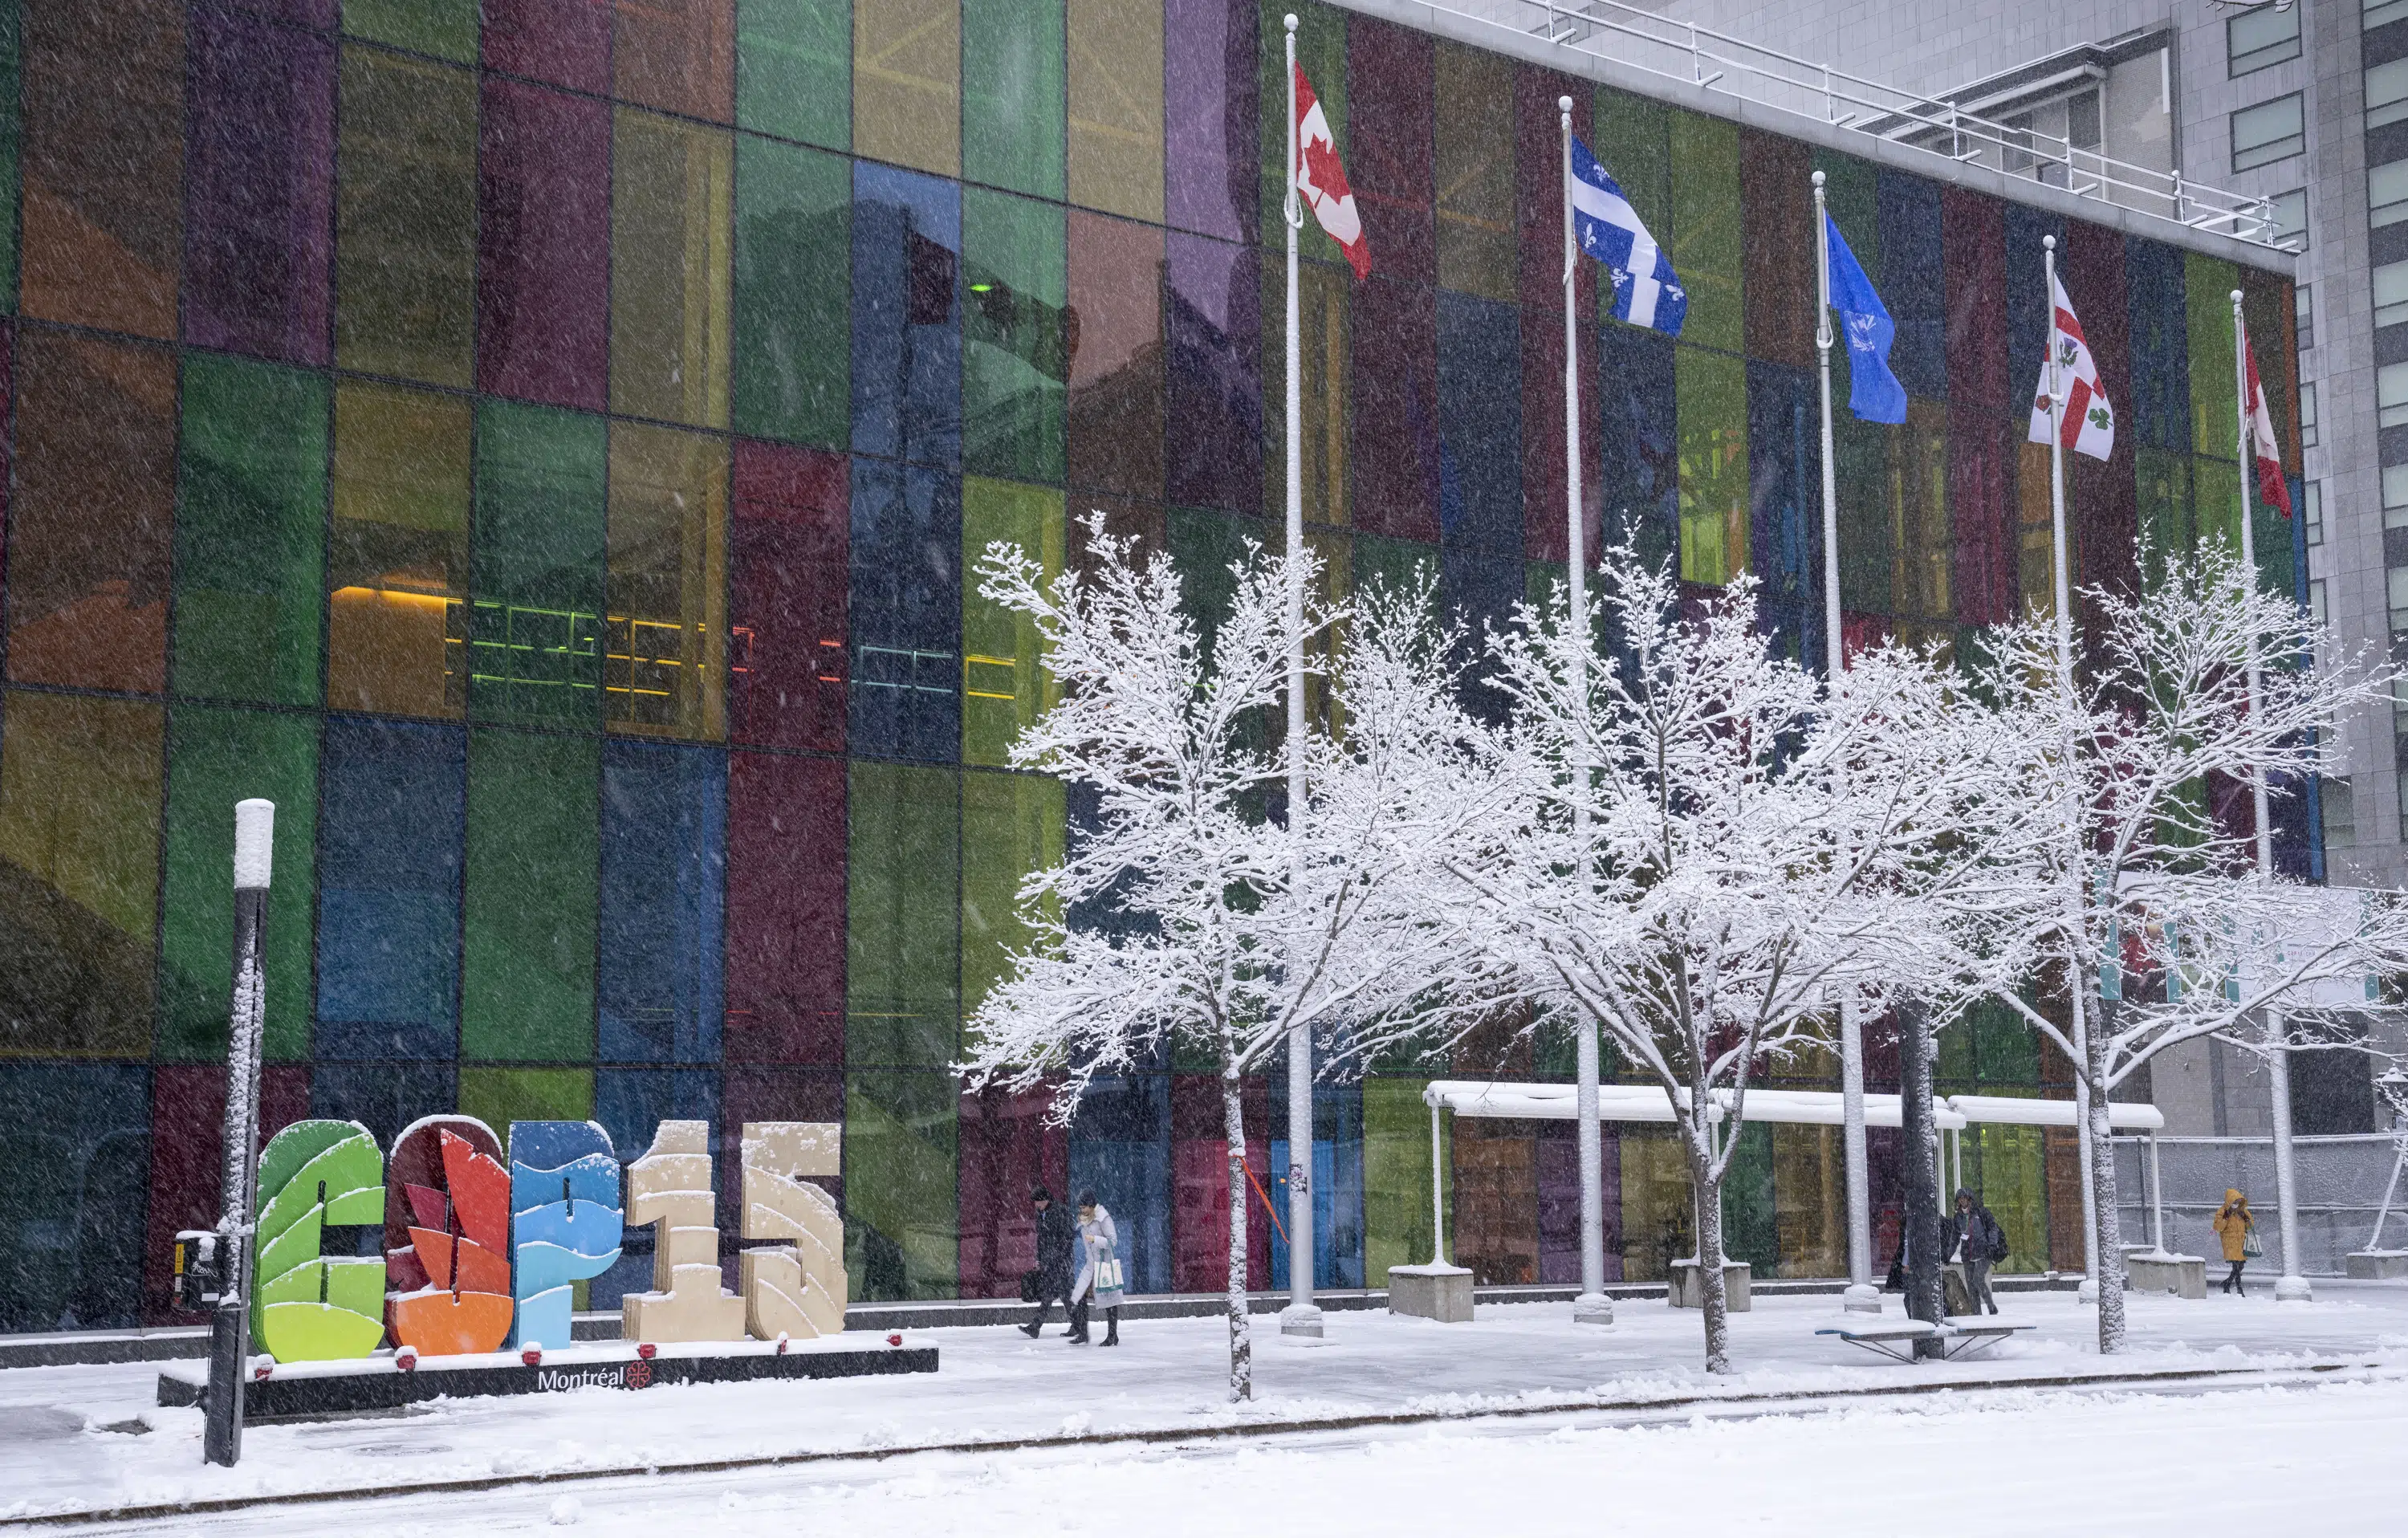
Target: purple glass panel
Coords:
[(1973, 259), (1209, 89), (1395, 408), (543, 257), (259, 187), (2103, 500), (302, 13), (1215, 410), (1560, 1203), (561, 42)]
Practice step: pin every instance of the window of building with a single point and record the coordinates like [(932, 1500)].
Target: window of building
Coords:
[(2312, 511), (2386, 194), (2265, 35), (2268, 131), (2082, 128), (2341, 811), (2376, 12), (2391, 396), (2304, 315), (2290, 214), (2307, 416), (2316, 601), (2387, 93), (2395, 496), (2391, 293)]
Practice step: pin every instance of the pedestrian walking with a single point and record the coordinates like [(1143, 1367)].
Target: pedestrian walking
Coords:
[(1057, 1247), (2238, 1230), (1975, 1241), (1099, 1282)]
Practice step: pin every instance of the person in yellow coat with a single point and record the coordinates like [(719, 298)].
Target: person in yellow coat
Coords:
[(2237, 1229)]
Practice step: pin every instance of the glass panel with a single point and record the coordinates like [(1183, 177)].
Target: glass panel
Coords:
[(250, 543), (2004, 1167), (2387, 92), (1116, 106), (676, 55), (663, 943), (1539, 194), (1658, 1218), (903, 917), (901, 1224), (907, 344), (1861, 469), (1982, 516), (80, 849), (540, 538), (1209, 85), (1786, 494), (1778, 239), (1017, 337), (2036, 554), (1495, 1179), (2160, 413), (1809, 1202), (1335, 1185), (1396, 408), (561, 42), (785, 908), (259, 183), (1320, 53), (93, 518), (1012, 95), (793, 235), (664, 669), (2214, 408), (2263, 35), (1004, 684), (216, 758), (543, 212), (104, 167), (787, 600), (391, 818), (1116, 379), (1214, 385), (793, 70), (74, 1146), (1475, 172), (445, 28), (406, 218), (1924, 546), (1913, 283), (1008, 1145), (1632, 142), (905, 611), (1479, 426), (186, 1122), (12, 135), (2268, 131), (1639, 493), (630, 1103), (500, 1096), (671, 184), (2167, 517), (1974, 250), (1011, 828), (384, 1097), (1391, 165), (1323, 298), (398, 560), (1119, 1142), (1713, 465), (527, 958), (1705, 240), (906, 82)]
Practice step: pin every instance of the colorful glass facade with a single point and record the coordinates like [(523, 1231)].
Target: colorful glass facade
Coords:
[(541, 443)]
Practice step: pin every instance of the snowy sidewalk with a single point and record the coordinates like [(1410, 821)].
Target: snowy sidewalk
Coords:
[(91, 1438)]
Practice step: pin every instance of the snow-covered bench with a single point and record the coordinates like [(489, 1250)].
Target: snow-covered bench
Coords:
[(1955, 1338)]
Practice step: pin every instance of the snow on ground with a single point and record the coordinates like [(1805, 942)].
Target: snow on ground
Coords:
[(68, 1441)]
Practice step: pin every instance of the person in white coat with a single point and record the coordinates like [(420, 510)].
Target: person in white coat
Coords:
[(1099, 1282)]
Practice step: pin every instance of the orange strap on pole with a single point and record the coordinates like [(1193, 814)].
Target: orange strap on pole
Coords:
[(1276, 1226)]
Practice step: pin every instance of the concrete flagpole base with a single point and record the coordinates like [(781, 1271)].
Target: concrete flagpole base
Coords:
[(2293, 1289), (1592, 1308), (1300, 1319), (2088, 1291), (1860, 1297)]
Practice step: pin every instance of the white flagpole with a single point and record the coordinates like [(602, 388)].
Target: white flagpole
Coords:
[(2065, 672), (1861, 1296), (1300, 1318), (2290, 1286), (1592, 1306)]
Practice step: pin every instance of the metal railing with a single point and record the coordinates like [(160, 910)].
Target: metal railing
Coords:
[(1699, 56)]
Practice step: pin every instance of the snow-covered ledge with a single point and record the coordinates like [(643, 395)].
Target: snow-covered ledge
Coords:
[(2376, 1265), (2154, 1270), (1434, 1291)]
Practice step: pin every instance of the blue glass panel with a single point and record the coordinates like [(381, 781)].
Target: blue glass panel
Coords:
[(391, 820), (631, 1103), (1213, 296), (1785, 462), (2160, 341), (75, 1166), (907, 334), (1641, 487), (661, 973), (1912, 283), (1480, 426), (1120, 1149), (906, 615), (384, 1097), (1337, 1185), (2028, 301), (1478, 591)]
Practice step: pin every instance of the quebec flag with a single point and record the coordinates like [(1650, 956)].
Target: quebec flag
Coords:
[(1874, 392), (1646, 290)]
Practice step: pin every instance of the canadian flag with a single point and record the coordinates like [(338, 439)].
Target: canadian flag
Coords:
[(2089, 420), (1321, 181), (2265, 447)]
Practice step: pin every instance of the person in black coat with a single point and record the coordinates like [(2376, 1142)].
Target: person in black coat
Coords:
[(1058, 1241), (1970, 1237)]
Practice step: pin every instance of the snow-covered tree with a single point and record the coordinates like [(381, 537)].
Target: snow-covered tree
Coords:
[(2126, 894), (1234, 931), (1699, 848)]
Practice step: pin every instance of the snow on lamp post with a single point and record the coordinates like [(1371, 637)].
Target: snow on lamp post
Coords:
[(255, 835)]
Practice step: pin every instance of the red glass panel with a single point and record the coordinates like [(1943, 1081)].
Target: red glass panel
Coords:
[(1973, 258), (1539, 190), (2103, 500), (1199, 1184), (1007, 1146), (786, 599), (1395, 408), (1389, 122), (1777, 228), (543, 258), (1116, 382), (186, 1154), (563, 42), (786, 910)]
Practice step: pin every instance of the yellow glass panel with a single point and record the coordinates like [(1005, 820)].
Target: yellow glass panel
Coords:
[(665, 667), (671, 238), (398, 553), (907, 83), (1116, 106)]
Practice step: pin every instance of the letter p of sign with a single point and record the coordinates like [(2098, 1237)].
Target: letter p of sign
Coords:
[(796, 1286)]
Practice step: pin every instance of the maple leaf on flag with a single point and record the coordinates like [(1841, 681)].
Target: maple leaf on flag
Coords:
[(1321, 168)]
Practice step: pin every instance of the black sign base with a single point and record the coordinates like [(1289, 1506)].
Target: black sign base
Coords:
[(313, 1392)]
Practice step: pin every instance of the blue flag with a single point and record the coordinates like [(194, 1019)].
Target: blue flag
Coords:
[(1646, 291), (1874, 392)]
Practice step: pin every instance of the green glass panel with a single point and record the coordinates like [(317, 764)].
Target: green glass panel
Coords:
[(527, 956), (794, 267), (1750, 1232), (217, 756), (406, 218), (1711, 405), (1474, 153), (2006, 1169), (671, 188), (1320, 53), (11, 151), (2208, 284), (2216, 502), (1919, 512), (1861, 467), (1012, 95), (537, 571), (1397, 1177), (2168, 526), (901, 1214), (1016, 337), (1205, 549), (1632, 141), (2270, 539), (1705, 241), (903, 916), (2006, 1049), (445, 28), (1005, 686), (500, 1096), (1011, 827), (251, 531), (794, 69)]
